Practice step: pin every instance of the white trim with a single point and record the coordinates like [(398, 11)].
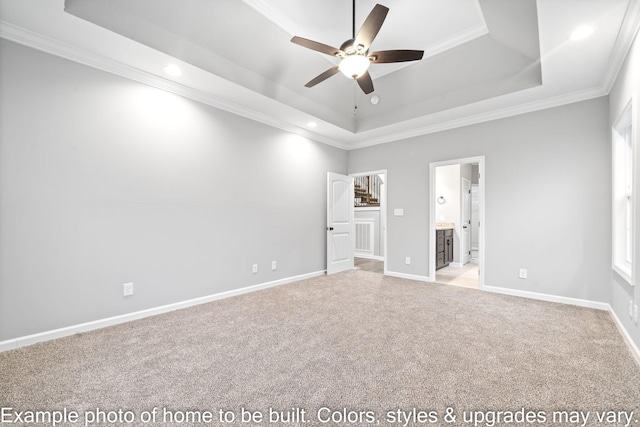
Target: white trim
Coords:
[(625, 275), (626, 37), (293, 28), (633, 348), (24, 341), (409, 276), (635, 351), (626, 118), (548, 297), (488, 116), (45, 44)]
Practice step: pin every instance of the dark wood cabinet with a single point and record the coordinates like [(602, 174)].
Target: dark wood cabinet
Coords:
[(444, 247)]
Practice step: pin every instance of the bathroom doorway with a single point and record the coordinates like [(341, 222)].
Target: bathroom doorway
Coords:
[(456, 216)]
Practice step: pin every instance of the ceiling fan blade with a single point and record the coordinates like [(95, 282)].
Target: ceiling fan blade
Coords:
[(365, 83), (387, 56), (371, 25), (318, 47), (322, 77)]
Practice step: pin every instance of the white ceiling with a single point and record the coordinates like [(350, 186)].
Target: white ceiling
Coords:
[(484, 59)]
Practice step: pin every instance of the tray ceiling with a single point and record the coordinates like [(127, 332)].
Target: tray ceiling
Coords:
[(483, 58)]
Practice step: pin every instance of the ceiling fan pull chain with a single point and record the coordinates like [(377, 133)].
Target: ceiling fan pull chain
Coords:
[(354, 53), (355, 102)]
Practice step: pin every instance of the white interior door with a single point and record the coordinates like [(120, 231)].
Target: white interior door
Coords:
[(340, 223), (466, 221)]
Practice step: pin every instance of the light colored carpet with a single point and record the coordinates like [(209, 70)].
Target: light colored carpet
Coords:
[(356, 340)]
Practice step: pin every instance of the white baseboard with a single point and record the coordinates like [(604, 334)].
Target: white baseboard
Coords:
[(110, 321), (408, 276), (547, 297), (102, 323), (635, 351)]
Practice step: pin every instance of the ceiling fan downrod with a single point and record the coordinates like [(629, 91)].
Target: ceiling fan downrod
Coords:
[(354, 53), (353, 21)]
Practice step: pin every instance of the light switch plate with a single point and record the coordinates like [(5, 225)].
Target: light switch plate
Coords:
[(398, 212)]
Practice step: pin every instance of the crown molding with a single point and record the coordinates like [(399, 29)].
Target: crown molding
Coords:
[(292, 28), (626, 37), (501, 113), (45, 44), (353, 140)]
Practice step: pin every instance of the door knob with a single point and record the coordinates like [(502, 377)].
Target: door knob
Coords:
[(329, 228)]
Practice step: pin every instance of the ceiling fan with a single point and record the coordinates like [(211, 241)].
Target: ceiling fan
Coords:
[(354, 53)]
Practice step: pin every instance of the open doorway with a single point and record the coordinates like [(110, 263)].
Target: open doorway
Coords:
[(456, 215), (370, 217)]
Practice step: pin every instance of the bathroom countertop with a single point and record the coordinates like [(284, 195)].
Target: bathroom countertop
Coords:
[(445, 225)]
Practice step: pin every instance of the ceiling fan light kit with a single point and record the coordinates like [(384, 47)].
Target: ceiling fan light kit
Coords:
[(353, 66), (355, 55)]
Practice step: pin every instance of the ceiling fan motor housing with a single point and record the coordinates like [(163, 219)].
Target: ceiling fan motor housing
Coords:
[(354, 53), (350, 48)]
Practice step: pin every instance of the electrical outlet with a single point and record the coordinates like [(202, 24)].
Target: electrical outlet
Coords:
[(635, 313), (274, 265), (255, 268), (127, 289), (407, 260), (631, 308), (523, 273)]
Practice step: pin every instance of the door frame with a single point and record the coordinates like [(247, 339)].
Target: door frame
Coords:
[(480, 160), (464, 256), (383, 208)]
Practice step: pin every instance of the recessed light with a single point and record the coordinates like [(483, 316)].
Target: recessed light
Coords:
[(173, 70), (582, 32), (312, 124), (375, 99)]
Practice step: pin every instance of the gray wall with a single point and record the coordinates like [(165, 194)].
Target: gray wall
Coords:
[(547, 198), (627, 86), (105, 181)]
